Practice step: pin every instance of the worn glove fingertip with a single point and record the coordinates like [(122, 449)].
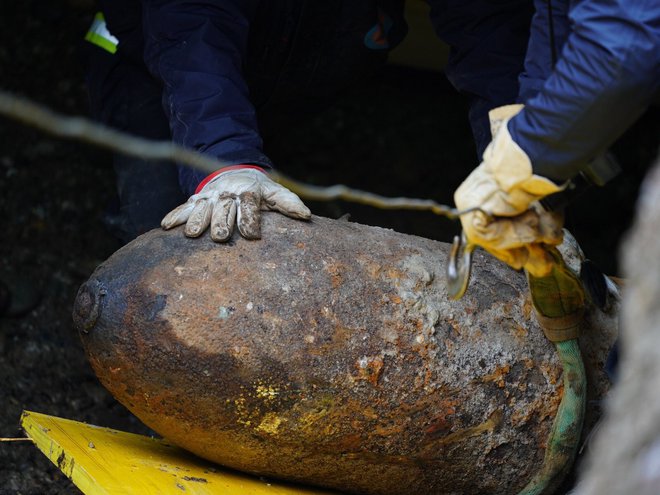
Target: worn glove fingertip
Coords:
[(303, 213), (249, 225), (223, 220), (193, 230), (248, 216), (220, 233), (291, 208), (176, 217), (167, 224), (199, 219), (196, 226), (251, 230)]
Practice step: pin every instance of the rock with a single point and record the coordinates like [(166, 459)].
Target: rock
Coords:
[(625, 456)]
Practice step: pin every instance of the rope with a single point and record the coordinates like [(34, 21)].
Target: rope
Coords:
[(40, 117)]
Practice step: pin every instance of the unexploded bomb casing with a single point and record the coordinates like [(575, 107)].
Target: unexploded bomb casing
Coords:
[(329, 353)]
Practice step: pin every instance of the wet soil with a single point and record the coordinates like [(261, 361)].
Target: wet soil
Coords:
[(405, 134)]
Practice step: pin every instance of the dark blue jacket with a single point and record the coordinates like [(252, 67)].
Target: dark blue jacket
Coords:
[(222, 62), (607, 72), (197, 50), (218, 61)]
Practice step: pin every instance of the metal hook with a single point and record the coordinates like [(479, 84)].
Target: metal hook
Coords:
[(459, 266)]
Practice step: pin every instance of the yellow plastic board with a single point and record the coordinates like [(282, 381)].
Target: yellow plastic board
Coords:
[(103, 461)]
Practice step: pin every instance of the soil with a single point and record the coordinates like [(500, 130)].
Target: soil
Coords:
[(405, 134)]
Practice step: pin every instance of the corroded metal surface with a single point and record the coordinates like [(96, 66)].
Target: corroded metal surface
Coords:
[(329, 352)]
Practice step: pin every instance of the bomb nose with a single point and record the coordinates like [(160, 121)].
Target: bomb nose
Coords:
[(88, 305)]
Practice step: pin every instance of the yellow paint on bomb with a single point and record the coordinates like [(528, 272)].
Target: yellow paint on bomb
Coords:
[(270, 423), (268, 392)]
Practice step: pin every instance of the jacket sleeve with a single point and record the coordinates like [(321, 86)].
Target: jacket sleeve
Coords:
[(196, 49), (607, 74), (548, 33)]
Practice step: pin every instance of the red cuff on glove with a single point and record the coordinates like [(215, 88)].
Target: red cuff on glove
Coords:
[(212, 176)]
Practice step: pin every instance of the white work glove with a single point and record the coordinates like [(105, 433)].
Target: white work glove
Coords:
[(234, 195), (514, 227)]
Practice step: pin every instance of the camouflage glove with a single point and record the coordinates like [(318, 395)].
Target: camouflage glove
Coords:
[(234, 195), (511, 225)]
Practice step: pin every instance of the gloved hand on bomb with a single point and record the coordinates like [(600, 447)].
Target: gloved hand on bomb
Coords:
[(510, 223), (234, 195)]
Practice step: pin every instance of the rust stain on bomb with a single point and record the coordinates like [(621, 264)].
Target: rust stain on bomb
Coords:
[(329, 353)]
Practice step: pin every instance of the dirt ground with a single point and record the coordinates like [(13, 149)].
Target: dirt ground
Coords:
[(405, 134)]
